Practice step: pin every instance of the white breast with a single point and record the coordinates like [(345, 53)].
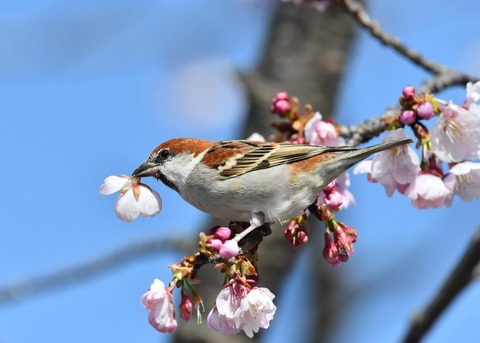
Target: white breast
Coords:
[(267, 191)]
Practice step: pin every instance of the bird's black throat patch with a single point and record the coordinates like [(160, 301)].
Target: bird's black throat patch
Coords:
[(166, 182)]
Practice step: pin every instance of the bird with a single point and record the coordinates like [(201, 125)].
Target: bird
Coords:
[(251, 181)]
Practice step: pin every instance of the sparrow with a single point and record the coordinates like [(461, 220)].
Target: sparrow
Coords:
[(251, 181)]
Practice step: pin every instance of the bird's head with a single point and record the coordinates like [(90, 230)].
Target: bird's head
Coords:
[(172, 161)]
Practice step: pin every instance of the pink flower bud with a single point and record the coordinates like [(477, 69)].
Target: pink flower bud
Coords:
[(289, 231), (408, 92), (408, 117), (229, 249), (223, 233), (329, 187), (281, 96), (330, 251), (302, 237), (213, 244), (425, 110), (281, 104), (333, 200), (283, 107), (346, 236), (186, 307)]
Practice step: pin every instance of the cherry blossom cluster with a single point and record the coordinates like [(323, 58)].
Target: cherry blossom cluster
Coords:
[(448, 167), (310, 128), (240, 304), (449, 154)]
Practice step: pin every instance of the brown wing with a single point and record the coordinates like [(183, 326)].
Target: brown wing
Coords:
[(240, 157)]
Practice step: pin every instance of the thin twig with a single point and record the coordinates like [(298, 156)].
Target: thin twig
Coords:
[(88, 269), (460, 277), (363, 19), (445, 80)]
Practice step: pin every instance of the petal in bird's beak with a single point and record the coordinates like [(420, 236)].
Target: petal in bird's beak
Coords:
[(146, 169)]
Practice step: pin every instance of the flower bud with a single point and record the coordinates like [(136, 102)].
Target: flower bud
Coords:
[(222, 233), (229, 249), (425, 110), (186, 307), (408, 117), (330, 251), (408, 92), (281, 96), (333, 200), (281, 104), (330, 186), (213, 244)]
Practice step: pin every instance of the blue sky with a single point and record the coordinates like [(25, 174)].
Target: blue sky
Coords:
[(88, 88)]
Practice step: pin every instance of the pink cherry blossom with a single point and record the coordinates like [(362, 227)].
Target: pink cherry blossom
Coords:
[(222, 317), (135, 198), (220, 323), (319, 132), (239, 308), (456, 133), (464, 180), (256, 310), (229, 249), (342, 182), (159, 303), (394, 168), (427, 191)]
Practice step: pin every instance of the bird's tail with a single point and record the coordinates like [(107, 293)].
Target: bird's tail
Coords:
[(363, 153), (348, 156)]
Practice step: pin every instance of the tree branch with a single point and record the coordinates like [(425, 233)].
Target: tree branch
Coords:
[(460, 277), (88, 269), (357, 11), (373, 127)]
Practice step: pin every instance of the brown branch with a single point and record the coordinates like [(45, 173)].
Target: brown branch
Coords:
[(445, 80), (357, 11), (370, 128), (460, 277), (88, 269)]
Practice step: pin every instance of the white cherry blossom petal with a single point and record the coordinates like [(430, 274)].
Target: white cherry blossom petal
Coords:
[(113, 184), (427, 191), (464, 180), (456, 134), (149, 202), (473, 93), (127, 207), (395, 168), (256, 310)]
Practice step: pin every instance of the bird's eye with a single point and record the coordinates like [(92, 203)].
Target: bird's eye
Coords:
[(164, 153)]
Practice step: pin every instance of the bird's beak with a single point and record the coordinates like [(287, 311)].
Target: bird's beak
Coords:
[(146, 169)]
